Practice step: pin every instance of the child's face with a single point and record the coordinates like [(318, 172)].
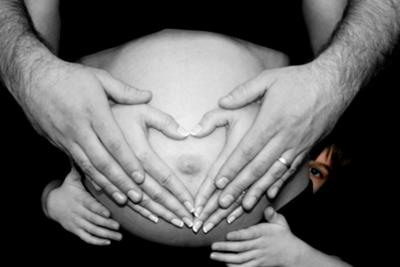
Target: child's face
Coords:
[(320, 169)]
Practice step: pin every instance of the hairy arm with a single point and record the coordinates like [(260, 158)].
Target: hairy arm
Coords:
[(360, 44), (303, 103), (20, 47)]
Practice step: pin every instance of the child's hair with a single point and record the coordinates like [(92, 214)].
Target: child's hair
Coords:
[(339, 153)]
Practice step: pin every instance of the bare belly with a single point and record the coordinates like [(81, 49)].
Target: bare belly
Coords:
[(187, 72)]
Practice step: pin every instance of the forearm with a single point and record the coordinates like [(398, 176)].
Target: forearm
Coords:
[(311, 257), (361, 43), (20, 48)]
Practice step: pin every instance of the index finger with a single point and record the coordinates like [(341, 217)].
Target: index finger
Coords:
[(157, 168), (114, 141), (251, 144)]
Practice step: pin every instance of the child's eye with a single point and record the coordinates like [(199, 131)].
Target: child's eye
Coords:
[(315, 172)]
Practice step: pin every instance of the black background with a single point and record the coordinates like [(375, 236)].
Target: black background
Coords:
[(354, 218)]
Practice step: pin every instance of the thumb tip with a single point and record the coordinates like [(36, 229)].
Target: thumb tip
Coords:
[(225, 101), (269, 213)]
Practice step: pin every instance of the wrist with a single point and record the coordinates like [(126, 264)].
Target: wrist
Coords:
[(29, 58), (302, 255), (333, 77), (46, 195)]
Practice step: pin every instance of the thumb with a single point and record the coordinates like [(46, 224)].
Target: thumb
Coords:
[(165, 123), (246, 93), (273, 217), (121, 92), (210, 121)]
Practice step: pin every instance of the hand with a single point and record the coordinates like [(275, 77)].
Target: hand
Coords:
[(164, 194), (265, 244), (236, 122), (68, 103), (78, 212), (298, 109)]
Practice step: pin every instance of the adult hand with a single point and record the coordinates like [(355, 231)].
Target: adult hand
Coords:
[(299, 107), (206, 202), (68, 103), (164, 193)]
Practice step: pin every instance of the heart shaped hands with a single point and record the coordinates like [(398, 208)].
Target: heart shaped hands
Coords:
[(237, 122), (164, 195)]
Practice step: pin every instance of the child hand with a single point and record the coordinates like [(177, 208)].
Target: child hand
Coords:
[(265, 244), (78, 212)]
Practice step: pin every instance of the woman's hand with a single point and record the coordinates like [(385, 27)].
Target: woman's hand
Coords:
[(78, 212), (164, 195), (298, 108), (206, 201), (69, 104)]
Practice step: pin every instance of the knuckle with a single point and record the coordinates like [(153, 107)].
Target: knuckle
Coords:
[(145, 203), (157, 196), (247, 153), (143, 156), (115, 146), (208, 117), (166, 179), (238, 189), (169, 120), (258, 171)]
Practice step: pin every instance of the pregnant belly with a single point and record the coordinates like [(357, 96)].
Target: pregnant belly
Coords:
[(190, 160), (187, 74)]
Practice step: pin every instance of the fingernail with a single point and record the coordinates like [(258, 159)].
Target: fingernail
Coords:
[(222, 182), (182, 131), (227, 200), (115, 225), (230, 219), (250, 202), (198, 211), (107, 242), (177, 222), (189, 206), (208, 227), (212, 255), (138, 177), (134, 196), (274, 192), (119, 197), (105, 213), (153, 218), (195, 131), (197, 226), (188, 222), (96, 186)]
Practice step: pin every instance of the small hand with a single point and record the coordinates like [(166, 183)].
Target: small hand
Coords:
[(164, 194), (265, 244), (297, 110), (69, 104), (78, 212)]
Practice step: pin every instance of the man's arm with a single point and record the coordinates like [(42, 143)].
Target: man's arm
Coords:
[(361, 43), (303, 103), (68, 102)]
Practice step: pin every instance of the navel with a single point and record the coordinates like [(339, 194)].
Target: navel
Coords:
[(189, 164)]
